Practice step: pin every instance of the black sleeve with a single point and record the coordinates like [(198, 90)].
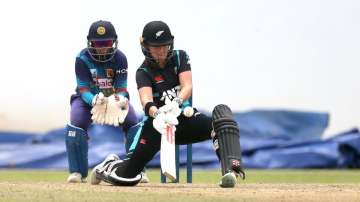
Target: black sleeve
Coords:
[(184, 61), (142, 79)]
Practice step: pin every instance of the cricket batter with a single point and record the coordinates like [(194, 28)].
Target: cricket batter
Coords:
[(164, 83), (101, 75)]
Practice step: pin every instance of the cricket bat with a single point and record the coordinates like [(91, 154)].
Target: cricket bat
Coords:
[(167, 153)]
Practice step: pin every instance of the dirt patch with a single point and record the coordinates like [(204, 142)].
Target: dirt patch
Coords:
[(206, 192)]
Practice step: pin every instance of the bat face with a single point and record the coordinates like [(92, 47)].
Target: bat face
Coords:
[(167, 153)]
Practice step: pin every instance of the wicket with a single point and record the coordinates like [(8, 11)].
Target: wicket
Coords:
[(188, 165), (188, 162)]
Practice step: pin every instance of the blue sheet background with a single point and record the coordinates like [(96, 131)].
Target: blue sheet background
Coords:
[(269, 139)]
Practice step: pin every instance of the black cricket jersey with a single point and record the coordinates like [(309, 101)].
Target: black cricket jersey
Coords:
[(164, 81)]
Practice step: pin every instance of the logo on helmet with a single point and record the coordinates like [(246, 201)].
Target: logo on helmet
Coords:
[(159, 33), (101, 30)]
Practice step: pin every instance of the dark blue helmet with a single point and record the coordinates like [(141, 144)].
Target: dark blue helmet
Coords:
[(156, 33), (102, 41)]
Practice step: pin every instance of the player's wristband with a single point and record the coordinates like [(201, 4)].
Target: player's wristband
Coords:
[(147, 107), (156, 113)]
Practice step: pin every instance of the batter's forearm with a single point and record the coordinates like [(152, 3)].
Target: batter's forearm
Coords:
[(147, 101), (185, 92)]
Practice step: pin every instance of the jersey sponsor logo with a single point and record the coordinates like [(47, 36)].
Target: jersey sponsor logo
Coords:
[(109, 73), (170, 94), (159, 79), (121, 71), (159, 33), (104, 83)]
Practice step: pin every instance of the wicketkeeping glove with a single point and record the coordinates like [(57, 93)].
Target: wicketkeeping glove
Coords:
[(117, 110), (98, 110)]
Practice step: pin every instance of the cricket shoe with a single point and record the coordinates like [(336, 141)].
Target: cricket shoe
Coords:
[(95, 173), (144, 178), (76, 178), (228, 180)]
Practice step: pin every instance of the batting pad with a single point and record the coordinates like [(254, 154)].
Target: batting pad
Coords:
[(228, 135), (77, 149)]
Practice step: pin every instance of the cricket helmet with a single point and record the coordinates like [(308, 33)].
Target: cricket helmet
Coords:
[(102, 41), (156, 33)]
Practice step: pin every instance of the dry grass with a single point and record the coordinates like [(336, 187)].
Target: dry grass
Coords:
[(45, 191), (260, 185)]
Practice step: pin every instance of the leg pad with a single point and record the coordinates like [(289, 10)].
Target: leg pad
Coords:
[(76, 140), (228, 137)]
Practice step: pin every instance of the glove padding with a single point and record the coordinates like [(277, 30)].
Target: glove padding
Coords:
[(171, 107), (98, 110), (167, 117), (163, 121), (117, 110)]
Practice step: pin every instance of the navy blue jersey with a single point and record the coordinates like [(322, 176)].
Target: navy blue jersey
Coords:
[(164, 81), (93, 77)]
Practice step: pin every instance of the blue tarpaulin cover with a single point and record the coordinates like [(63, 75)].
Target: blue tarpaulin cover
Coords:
[(269, 139)]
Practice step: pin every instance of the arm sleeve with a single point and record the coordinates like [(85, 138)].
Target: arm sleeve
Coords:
[(184, 61), (120, 79), (142, 79), (83, 80)]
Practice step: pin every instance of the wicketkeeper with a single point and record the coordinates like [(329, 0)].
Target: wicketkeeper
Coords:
[(165, 85), (101, 95)]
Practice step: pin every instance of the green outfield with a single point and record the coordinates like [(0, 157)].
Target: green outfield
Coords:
[(260, 185)]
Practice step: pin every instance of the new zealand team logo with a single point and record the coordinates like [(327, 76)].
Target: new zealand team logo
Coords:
[(159, 33)]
